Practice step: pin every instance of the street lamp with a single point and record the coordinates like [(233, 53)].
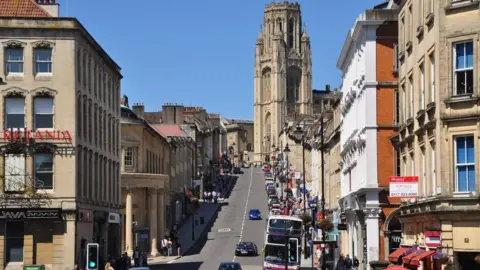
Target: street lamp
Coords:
[(322, 202), (300, 138), (286, 150)]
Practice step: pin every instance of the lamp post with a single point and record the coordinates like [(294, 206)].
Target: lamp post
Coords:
[(322, 202), (285, 179), (300, 136)]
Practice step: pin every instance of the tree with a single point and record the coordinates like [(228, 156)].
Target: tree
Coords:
[(22, 190)]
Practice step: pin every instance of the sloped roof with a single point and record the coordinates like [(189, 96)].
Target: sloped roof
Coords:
[(169, 130), (21, 8)]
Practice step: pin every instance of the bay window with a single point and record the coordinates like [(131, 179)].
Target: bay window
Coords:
[(464, 164)]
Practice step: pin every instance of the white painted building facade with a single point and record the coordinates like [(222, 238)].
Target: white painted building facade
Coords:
[(358, 142)]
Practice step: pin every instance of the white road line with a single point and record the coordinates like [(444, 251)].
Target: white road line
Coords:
[(246, 209)]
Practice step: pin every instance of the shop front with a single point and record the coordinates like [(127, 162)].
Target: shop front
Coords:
[(32, 236), (432, 240)]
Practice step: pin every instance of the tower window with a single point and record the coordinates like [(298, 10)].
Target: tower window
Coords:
[(291, 27)]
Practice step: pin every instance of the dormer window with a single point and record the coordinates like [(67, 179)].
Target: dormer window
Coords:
[(14, 60), (43, 61)]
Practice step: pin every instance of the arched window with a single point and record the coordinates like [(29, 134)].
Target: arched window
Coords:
[(294, 76), (266, 85), (290, 34)]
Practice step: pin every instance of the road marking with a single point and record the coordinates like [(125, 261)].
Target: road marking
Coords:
[(224, 230), (246, 209)]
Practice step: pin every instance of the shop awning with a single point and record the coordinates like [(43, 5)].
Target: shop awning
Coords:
[(416, 260), (396, 267), (396, 254), (410, 256)]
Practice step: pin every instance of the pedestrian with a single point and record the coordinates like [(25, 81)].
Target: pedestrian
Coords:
[(341, 263), (348, 263), (136, 257), (165, 246), (356, 263), (178, 249), (108, 266), (169, 247)]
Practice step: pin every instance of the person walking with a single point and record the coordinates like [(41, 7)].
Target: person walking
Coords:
[(165, 246), (136, 257), (169, 247), (348, 263), (341, 263), (356, 263)]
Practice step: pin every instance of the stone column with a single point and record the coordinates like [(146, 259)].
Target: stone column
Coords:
[(373, 237), (152, 193), (128, 225), (161, 213)]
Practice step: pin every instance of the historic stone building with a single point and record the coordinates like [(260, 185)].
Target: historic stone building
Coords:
[(283, 75), (145, 177), (438, 136), (61, 150)]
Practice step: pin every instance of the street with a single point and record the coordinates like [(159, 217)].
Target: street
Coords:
[(231, 227)]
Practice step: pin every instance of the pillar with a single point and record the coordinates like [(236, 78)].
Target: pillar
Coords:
[(161, 214), (128, 224), (152, 194), (373, 236)]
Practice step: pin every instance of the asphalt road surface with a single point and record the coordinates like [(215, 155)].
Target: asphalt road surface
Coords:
[(231, 227)]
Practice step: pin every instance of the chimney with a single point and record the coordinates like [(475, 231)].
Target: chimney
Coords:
[(138, 109), (49, 6)]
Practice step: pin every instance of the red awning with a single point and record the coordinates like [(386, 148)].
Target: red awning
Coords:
[(396, 267), (396, 254), (410, 256), (416, 260)]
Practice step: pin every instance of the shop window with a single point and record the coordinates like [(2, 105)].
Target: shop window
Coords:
[(14, 244), (465, 164), (44, 171)]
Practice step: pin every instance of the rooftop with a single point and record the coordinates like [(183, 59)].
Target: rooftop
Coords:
[(22, 8)]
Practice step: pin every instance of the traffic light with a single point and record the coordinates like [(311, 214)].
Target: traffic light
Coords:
[(293, 249), (92, 256)]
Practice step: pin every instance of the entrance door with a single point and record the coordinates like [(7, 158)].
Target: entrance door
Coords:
[(14, 242)]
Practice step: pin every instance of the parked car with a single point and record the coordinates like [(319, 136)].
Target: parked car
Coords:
[(237, 170)]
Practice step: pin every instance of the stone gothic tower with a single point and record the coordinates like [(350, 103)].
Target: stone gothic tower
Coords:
[(283, 74)]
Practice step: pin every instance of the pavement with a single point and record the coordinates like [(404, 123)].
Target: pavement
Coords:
[(231, 227), (209, 212)]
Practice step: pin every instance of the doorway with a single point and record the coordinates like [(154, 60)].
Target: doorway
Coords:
[(14, 242)]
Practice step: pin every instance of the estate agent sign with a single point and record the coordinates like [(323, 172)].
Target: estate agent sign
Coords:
[(403, 186)]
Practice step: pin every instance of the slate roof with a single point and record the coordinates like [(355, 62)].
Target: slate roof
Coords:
[(21, 8)]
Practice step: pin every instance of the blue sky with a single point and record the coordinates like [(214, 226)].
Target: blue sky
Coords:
[(201, 53)]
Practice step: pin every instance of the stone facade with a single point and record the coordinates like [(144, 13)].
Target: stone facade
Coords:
[(283, 75), (62, 82), (438, 121), (145, 183), (240, 140)]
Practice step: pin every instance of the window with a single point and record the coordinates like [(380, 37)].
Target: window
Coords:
[(43, 61), (412, 165), (397, 106), (14, 59), (423, 175), (465, 164), (395, 57), (14, 242), (463, 65), (14, 112), (398, 163), (44, 171), (129, 157), (434, 170), (410, 97), (404, 103), (14, 172), (43, 107), (405, 167), (432, 77), (422, 87)]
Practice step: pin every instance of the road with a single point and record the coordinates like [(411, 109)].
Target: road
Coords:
[(231, 227)]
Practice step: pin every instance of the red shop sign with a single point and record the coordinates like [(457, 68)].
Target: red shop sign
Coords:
[(37, 135)]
